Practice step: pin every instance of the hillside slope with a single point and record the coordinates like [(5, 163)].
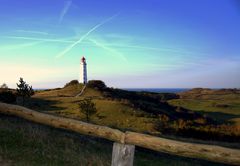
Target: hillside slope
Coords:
[(211, 94), (135, 111), (222, 105), (138, 111)]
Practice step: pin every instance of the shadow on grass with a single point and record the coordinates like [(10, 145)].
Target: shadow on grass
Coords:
[(220, 117), (45, 105), (145, 157)]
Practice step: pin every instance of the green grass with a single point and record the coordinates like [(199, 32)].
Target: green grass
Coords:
[(23, 143), (113, 113), (221, 110), (222, 105), (120, 112)]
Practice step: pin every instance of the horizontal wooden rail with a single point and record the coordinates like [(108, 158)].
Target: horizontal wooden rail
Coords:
[(64, 123), (193, 150)]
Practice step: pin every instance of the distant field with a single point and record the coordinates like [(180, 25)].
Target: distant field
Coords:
[(220, 105)]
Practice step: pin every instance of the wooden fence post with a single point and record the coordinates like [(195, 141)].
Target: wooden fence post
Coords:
[(122, 154)]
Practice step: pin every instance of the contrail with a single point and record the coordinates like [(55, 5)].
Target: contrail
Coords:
[(19, 46), (39, 39), (107, 46), (85, 35), (156, 49), (115, 52), (35, 32), (67, 5)]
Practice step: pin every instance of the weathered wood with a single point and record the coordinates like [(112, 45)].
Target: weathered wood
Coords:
[(122, 154), (64, 123), (193, 150)]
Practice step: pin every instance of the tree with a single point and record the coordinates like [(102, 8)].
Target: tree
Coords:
[(24, 90), (88, 108), (4, 86)]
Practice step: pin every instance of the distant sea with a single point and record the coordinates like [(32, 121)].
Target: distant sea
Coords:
[(158, 90)]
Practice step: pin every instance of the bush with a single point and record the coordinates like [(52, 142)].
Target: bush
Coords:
[(7, 97), (190, 129), (96, 84), (73, 82), (222, 105)]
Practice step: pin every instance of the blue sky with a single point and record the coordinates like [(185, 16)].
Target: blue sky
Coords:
[(127, 44)]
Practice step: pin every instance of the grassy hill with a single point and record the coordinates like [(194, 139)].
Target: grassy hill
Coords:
[(144, 112), (112, 113), (138, 111), (199, 113), (222, 105), (204, 93), (25, 143)]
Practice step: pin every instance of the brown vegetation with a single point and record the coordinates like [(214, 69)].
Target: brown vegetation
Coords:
[(204, 93)]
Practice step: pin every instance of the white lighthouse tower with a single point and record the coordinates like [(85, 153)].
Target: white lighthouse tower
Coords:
[(83, 71)]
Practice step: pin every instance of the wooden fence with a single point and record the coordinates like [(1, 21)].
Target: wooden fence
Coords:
[(124, 142)]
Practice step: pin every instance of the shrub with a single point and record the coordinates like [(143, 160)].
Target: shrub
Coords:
[(222, 105), (73, 82), (168, 96), (96, 84)]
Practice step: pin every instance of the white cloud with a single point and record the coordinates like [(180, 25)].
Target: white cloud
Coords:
[(39, 39), (19, 46)]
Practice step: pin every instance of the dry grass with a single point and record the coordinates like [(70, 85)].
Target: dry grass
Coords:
[(23, 143), (113, 113)]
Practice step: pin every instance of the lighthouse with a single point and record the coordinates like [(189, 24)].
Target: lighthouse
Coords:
[(83, 71)]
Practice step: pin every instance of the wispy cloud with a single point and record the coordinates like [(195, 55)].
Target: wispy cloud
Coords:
[(158, 49), (32, 32), (107, 46), (127, 42), (114, 52), (61, 54), (39, 39), (65, 9), (19, 46)]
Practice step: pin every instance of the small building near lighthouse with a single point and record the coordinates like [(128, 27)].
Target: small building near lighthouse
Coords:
[(83, 71)]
